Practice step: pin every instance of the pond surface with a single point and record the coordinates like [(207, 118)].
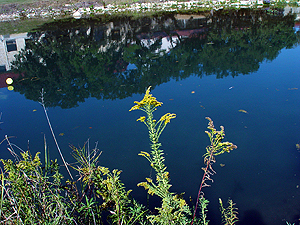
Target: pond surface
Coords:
[(239, 67)]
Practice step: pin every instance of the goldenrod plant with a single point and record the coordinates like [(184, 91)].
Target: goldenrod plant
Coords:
[(229, 214), (174, 209)]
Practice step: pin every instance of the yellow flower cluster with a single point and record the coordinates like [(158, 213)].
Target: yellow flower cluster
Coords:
[(148, 100), (145, 154), (142, 119), (167, 117)]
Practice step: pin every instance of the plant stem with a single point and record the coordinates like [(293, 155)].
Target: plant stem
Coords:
[(201, 185), (58, 148)]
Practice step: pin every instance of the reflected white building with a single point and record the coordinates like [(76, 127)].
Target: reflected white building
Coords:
[(10, 45), (293, 10)]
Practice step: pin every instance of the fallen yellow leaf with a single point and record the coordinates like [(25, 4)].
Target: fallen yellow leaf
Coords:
[(243, 111)]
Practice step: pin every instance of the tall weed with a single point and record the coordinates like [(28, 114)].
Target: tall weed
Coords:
[(35, 194)]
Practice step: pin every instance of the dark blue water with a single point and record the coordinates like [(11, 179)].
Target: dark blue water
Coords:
[(262, 176)]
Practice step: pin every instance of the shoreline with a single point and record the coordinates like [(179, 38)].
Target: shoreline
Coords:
[(11, 12)]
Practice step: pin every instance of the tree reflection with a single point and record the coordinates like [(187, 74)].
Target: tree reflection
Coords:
[(110, 58)]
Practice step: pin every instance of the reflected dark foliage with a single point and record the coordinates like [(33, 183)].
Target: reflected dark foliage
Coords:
[(113, 58)]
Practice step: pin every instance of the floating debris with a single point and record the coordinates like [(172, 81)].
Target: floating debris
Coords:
[(243, 111)]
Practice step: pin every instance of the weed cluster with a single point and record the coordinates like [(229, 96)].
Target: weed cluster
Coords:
[(32, 193)]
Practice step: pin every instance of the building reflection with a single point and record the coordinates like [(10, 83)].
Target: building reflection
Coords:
[(10, 45), (109, 35), (159, 35)]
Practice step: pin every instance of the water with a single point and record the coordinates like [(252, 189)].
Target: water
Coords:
[(212, 65)]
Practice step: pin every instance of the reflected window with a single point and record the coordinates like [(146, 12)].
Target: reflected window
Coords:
[(2, 68), (115, 35), (11, 45)]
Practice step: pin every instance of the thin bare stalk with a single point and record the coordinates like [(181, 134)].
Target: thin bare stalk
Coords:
[(58, 148), (10, 148)]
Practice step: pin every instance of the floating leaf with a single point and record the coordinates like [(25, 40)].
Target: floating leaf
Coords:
[(243, 111), (61, 134)]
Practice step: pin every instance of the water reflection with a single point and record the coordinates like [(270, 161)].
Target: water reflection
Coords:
[(112, 58)]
